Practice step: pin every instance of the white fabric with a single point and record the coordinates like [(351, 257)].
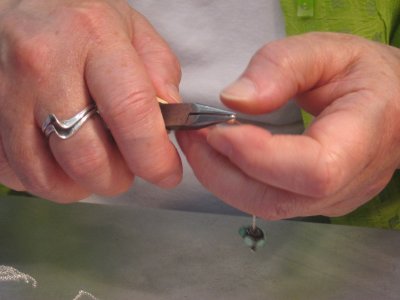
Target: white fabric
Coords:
[(214, 41)]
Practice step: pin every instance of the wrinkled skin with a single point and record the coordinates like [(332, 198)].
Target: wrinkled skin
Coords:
[(346, 156), (57, 57)]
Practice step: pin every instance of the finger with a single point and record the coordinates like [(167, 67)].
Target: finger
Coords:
[(236, 188), (7, 175), (125, 97), (286, 68), (161, 64), (29, 156), (316, 164), (90, 157)]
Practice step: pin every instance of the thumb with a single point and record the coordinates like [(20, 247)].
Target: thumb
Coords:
[(283, 69)]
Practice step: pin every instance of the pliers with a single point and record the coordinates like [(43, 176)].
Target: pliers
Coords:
[(190, 116)]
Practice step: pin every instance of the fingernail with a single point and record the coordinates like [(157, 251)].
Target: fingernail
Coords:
[(241, 90), (173, 92)]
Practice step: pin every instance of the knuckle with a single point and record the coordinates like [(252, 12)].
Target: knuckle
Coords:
[(160, 53), (91, 18), (22, 47), (31, 53), (87, 162), (327, 177), (90, 166), (279, 56), (133, 111), (274, 52)]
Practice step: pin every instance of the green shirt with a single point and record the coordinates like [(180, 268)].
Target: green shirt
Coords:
[(376, 20)]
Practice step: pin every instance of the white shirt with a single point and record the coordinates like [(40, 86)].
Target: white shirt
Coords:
[(214, 41)]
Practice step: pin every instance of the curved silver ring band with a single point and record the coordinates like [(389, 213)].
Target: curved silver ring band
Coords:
[(67, 128)]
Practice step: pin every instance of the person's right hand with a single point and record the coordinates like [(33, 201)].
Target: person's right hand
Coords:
[(59, 56)]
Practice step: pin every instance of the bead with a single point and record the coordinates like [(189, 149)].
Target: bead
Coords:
[(252, 237), (249, 241)]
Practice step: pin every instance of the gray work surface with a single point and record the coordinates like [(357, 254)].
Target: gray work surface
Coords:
[(116, 252)]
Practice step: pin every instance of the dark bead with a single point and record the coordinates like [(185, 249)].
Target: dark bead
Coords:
[(253, 237)]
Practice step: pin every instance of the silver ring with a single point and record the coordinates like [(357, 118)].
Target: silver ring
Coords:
[(67, 128)]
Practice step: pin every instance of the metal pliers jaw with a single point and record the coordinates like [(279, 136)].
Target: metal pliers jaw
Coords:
[(190, 116)]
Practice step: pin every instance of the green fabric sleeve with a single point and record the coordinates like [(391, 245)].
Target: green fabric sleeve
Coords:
[(395, 39), (372, 19), (4, 190), (376, 20)]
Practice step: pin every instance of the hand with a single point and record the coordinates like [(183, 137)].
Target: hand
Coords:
[(346, 156), (59, 56)]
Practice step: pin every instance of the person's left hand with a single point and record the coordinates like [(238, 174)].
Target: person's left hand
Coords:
[(345, 157)]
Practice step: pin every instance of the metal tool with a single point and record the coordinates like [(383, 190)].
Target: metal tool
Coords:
[(189, 116)]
